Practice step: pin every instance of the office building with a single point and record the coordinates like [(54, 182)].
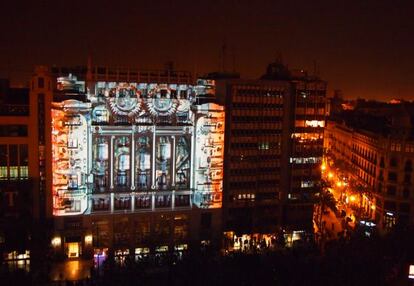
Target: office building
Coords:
[(274, 148)]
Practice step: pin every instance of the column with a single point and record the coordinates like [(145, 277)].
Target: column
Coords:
[(111, 163), (89, 208), (132, 158), (173, 162), (152, 201), (153, 159), (89, 160), (132, 202), (193, 159), (173, 200), (112, 202)]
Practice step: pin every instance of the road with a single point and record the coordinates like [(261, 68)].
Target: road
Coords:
[(71, 270)]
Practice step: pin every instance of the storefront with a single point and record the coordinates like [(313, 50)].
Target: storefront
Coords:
[(73, 246), (17, 260)]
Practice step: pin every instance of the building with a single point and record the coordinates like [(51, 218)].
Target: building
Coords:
[(136, 163), (374, 144), (274, 148), (132, 163), (16, 208)]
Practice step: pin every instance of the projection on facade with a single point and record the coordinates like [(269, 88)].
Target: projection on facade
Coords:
[(136, 147)]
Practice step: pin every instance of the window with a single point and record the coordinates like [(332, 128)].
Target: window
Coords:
[(393, 162), (391, 190), (408, 166), (13, 130), (390, 206), (379, 188), (406, 193), (314, 123), (382, 164), (381, 175), (307, 184), (40, 82), (409, 148), (392, 176), (3, 162), (404, 208), (389, 220), (407, 178)]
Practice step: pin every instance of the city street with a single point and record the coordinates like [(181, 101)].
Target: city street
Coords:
[(71, 270)]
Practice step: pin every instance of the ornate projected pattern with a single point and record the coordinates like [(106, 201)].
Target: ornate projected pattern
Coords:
[(137, 147)]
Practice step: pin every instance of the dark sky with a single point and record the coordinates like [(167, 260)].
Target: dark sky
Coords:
[(365, 48)]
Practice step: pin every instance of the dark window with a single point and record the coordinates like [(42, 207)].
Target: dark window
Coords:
[(391, 190), (392, 176), (390, 206), (13, 155), (408, 166), (3, 155), (393, 162), (404, 207), (379, 188), (407, 178), (406, 193), (13, 130), (381, 176), (40, 82)]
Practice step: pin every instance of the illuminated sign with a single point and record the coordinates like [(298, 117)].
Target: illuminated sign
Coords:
[(137, 146), (411, 272)]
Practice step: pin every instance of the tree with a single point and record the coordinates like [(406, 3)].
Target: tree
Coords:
[(325, 199)]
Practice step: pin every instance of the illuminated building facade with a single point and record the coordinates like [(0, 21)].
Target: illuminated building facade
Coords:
[(377, 148), (137, 166), (274, 146)]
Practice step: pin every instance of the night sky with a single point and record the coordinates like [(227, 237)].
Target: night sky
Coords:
[(364, 48)]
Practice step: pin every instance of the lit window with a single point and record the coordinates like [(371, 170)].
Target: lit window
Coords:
[(3, 172), (14, 172), (315, 123)]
